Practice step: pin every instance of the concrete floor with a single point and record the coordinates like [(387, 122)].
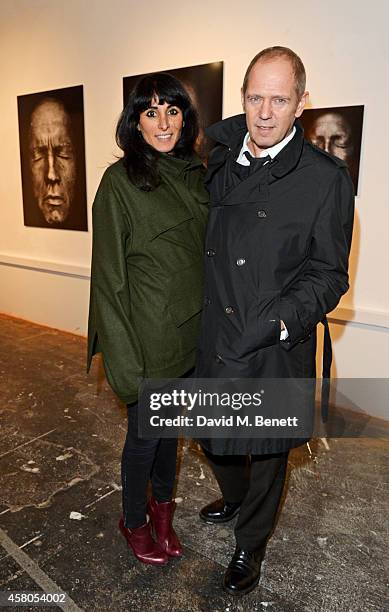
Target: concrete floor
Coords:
[(61, 439)]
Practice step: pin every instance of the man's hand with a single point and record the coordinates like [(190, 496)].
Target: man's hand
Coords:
[(284, 335)]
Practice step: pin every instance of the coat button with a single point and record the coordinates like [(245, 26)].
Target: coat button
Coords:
[(211, 252), (228, 310), (219, 359), (240, 262), (261, 214)]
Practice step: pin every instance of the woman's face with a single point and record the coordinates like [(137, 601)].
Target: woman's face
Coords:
[(161, 126)]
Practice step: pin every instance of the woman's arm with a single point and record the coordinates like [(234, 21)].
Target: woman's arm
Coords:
[(111, 331)]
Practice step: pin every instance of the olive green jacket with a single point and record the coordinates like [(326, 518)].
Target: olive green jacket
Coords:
[(147, 274)]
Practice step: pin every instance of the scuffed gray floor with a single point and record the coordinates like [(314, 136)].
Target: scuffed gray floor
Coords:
[(61, 439)]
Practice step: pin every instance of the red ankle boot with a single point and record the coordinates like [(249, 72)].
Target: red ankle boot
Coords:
[(161, 516), (142, 544)]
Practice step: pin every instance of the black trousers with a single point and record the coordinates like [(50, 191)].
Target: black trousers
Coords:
[(257, 482), (144, 460)]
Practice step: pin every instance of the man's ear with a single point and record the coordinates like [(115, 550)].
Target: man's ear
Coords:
[(242, 99), (302, 103)]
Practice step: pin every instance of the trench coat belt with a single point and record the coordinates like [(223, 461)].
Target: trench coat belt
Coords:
[(327, 361)]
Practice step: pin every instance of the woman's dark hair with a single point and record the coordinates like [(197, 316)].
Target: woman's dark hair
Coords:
[(139, 157)]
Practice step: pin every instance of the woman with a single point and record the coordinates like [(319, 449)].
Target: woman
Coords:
[(149, 220)]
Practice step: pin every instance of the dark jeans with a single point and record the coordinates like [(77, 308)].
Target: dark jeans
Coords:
[(144, 460)]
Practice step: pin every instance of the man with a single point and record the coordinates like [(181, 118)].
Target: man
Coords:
[(52, 162), (277, 251)]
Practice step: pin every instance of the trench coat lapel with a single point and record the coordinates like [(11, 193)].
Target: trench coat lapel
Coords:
[(230, 134)]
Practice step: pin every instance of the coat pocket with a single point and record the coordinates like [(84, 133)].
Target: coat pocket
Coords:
[(185, 306), (186, 293), (184, 309), (269, 325), (185, 316), (168, 216)]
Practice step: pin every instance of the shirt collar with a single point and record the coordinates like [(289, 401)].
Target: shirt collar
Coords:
[(272, 151)]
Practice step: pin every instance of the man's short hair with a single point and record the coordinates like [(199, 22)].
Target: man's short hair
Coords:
[(275, 52)]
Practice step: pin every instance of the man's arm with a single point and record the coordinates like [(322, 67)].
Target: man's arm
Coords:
[(325, 279)]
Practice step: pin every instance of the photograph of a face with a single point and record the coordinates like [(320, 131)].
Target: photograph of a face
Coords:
[(337, 130), (204, 84), (52, 155)]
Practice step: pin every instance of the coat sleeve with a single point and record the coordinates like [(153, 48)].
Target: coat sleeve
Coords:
[(324, 279), (111, 330)]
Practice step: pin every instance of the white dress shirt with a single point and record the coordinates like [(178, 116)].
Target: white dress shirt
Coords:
[(271, 151)]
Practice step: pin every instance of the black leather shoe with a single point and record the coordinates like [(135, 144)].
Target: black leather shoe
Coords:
[(219, 511), (244, 571)]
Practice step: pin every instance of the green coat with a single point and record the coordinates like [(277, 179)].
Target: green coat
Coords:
[(147, 274)]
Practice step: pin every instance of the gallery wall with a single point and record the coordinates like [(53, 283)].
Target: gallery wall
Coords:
[(49, 44)]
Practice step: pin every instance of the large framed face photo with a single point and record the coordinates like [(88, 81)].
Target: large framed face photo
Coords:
[(204, 84), (52, 155), (337, 130)]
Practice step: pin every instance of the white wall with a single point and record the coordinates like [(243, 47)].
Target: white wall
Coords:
[(48, 44)]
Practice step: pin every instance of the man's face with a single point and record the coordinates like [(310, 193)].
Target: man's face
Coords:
[(52, 161), (271, 103), (333, 134)]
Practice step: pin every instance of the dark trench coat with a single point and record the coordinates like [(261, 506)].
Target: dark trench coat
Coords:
[(277, 248)]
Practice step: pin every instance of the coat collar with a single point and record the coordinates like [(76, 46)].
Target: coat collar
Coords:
[(189, 172), (230, 132), (174, 165)]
